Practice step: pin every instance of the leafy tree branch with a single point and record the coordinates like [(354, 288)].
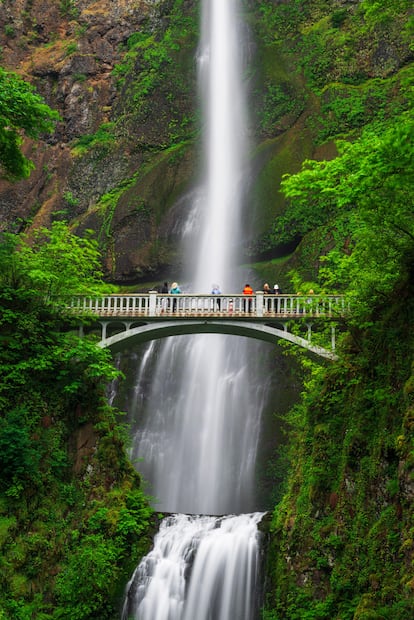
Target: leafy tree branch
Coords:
[(23, 112)]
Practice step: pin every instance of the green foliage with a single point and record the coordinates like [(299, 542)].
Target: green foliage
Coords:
[(102, 139), (21, 110), (279, 100), (120, 518), (9, 30), (53, 262), (338, 17), (346, 108), (362, 192), (71, 48), (18, 458), (277, 20), (82, 587), (381, 13), (77, 524), (68, 8), (70, 199), (327, 40), (153, 53), (107, 205)]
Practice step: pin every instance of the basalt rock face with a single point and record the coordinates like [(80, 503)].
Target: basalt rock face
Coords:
[(122, 75), (122, 178)]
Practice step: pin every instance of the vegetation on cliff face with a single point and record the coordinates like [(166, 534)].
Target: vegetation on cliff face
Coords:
[(351, 64), (73, 516), (341, 542)]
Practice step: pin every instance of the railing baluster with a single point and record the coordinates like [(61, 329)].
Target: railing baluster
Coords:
[(262, 306)]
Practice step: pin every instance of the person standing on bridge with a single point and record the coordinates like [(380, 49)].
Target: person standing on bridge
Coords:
[(164, 301), (267, 291), (175, 290), (215, 290), (248, 303)]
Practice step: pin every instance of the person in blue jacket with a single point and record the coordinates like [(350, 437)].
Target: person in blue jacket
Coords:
[(175, 290)]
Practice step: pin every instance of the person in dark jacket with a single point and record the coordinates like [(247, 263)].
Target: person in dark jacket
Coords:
[(267, 291), (164, 301), (215, 290)]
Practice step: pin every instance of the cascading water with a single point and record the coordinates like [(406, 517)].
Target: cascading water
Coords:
[(222, 554), (198, 432)]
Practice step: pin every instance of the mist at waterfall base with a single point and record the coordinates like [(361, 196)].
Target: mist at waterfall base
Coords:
[(197, 401)]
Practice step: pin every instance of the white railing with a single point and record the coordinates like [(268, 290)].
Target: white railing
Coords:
[(155, 304)]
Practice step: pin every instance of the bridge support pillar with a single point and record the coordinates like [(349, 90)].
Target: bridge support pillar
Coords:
[(333, 343), (259, 303), (104, 325), (152, 303), (309, 326)]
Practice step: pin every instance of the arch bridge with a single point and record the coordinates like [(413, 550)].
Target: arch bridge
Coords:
[(149, 316)]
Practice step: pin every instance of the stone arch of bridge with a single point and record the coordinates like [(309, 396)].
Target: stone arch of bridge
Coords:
[(134, 333)]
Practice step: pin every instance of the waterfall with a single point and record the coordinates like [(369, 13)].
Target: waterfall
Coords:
[(221, 553), (224, 110), (196, 436)]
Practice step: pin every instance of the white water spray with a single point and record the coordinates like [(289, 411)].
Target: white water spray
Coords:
[(222, 556), (198, 437), (225, 145)]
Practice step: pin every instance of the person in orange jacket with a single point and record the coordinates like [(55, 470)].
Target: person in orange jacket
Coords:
[(248, 303)]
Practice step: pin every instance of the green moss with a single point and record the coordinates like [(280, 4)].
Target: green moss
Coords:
[(342, 533), (273, 271), (165, 82), (104, 138), (274, 158), (346, 108)]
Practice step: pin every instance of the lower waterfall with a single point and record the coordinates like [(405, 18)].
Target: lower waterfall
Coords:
[(221, 555), (195, 408)]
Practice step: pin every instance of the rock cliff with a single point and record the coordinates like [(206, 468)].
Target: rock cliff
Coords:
[(123, 159), (103, 166)]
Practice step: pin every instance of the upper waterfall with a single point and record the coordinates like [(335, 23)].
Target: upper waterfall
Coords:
[(223, 101)]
